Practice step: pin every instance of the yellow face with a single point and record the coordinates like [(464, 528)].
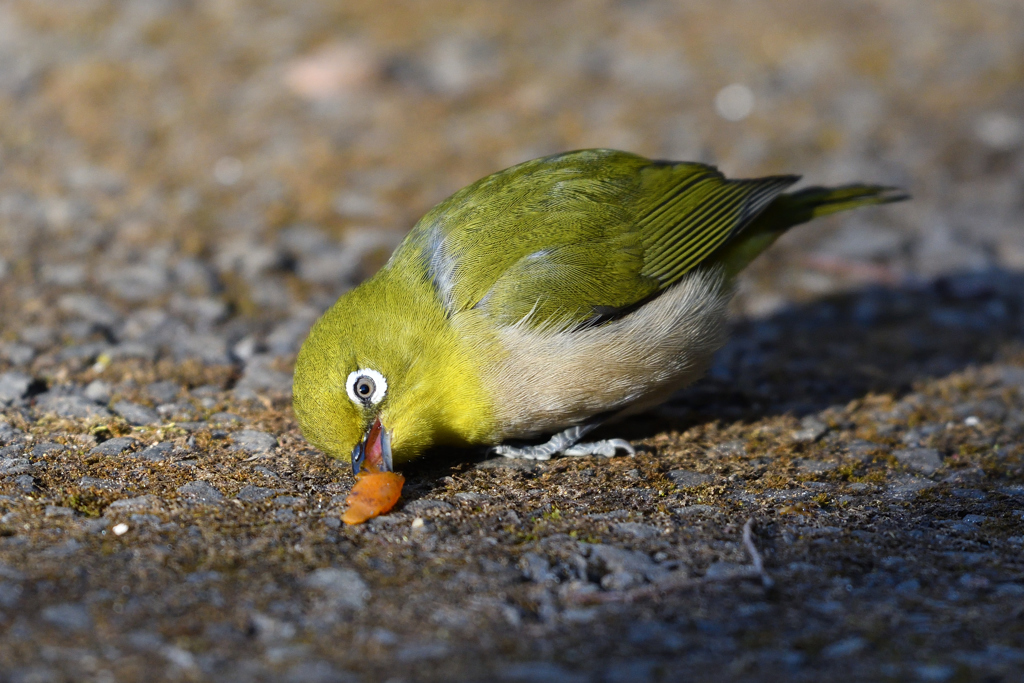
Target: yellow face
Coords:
[(341, 391), (363, 380), (341, 387), (344, 421), (385, 355)]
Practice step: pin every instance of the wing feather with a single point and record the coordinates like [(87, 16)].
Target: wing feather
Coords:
[(564, 241)]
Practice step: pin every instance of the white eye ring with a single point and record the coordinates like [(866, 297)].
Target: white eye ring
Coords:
[(366, 386)]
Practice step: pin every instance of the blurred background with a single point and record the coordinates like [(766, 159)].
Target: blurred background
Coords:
[(201, 179)]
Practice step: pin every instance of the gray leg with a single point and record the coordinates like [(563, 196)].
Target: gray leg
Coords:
[(606, 447), (565, 443)]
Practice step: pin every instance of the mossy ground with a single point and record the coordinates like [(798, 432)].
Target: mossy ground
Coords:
[(891, 573)]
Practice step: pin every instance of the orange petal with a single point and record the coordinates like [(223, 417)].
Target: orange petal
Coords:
[(373, 494)]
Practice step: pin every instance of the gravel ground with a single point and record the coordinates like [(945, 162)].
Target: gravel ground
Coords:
[(184, 186)]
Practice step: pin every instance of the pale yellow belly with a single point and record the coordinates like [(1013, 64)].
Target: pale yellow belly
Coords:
[(546, 381)]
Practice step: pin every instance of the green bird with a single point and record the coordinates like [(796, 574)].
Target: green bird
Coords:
[(544, 299)]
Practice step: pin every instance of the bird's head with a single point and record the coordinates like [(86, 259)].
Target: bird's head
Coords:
[(380, 378), (346, 376)]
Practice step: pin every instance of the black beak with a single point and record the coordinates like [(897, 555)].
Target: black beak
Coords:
[(358, 456)]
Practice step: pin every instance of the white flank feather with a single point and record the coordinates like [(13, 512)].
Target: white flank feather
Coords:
[(552, 379)]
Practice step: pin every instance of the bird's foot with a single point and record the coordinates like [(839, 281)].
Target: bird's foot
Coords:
[(541, 452), (606, 447), (565, 443)]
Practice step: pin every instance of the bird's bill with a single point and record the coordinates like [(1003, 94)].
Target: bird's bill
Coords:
[(373, 454)]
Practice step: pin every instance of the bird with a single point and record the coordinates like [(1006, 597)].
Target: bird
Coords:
[(540, 302)]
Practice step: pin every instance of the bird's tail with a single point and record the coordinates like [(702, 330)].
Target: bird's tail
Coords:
[(796, 208), (815, 202)]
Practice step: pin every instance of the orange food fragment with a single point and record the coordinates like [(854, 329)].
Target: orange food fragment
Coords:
[(373, 494)]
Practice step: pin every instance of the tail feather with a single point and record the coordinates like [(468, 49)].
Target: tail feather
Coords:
[(796, 208), (815, 202)]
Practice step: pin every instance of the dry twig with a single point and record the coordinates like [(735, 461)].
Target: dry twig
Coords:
[(679, 580), (755, 557)]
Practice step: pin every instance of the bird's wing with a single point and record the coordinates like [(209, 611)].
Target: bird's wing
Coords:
[(574, 239)]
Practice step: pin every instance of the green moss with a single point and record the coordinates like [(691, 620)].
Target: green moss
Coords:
[(87, 503)]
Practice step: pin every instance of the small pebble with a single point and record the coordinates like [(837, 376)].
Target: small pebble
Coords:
[(12, 466), (254, 494), (70, 406), (845, 648), (342, 587), (814, 466), (70, 617), (418, 507), (811, 429), (923, 460), (863, 451), (115, 446), (163, 392), (637, 529), (13, 386), (98, 391), (252, 441), (472, 497), (26, 483), (135, 414), (690, 478), (99, 483), (179, 411), (46, 449), (17, 354), (688, 510), (157, 452), (201, 491), (137, 504)]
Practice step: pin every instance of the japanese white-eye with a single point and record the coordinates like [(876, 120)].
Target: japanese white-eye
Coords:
[(543, 299)]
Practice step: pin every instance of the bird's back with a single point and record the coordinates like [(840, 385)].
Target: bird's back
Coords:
[(580, 237)]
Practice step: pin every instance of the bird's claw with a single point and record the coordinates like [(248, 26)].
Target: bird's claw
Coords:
[(523, 452), (606, 447), (564, 443)]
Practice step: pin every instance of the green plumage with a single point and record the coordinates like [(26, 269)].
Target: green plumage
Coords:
[(549, 295), (580, 237)]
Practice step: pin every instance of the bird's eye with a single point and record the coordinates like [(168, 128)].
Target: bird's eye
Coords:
[(366, 386)]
